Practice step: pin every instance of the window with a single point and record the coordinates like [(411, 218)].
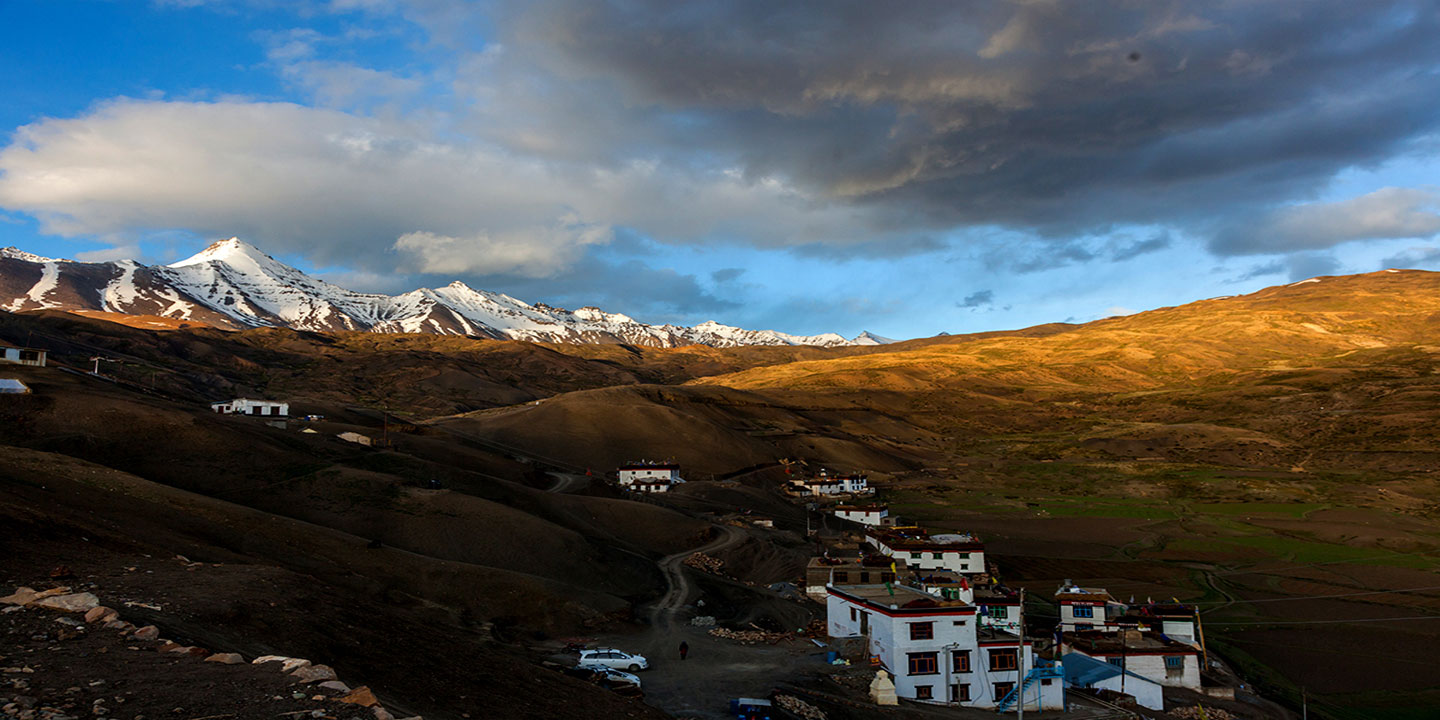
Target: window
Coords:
[(1046, 681), (962, 661), (936, 556), (960, 693), (1174, 667), (1116, 661), (841, 576), (959, 623), (853, 616), (923, 692), (1082, 611), (914, 556), (999, 612), (924, 663), (1003, 659), (1002, 690), (888, 577), (922, 631)]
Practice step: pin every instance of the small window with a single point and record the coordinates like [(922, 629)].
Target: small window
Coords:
[(841, 576), (962, 662), (999, 612), (1003, 659), (936, 556), (1174, 661), (959, 623), (1083, 611), (923, 692), (960, 693), (1046, 681), (888, 577), (923, 663), (1116, 661), (922, 631), (914, 556), (853, 615), (1003, 689)]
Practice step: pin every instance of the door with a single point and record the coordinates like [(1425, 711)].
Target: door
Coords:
[(865, 624)]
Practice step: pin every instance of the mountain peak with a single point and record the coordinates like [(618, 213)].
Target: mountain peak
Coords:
[(229, 251), (869, 338)]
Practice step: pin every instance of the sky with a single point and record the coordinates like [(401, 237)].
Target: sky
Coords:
[(830, 166)]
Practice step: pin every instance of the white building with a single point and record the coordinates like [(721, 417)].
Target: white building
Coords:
[(649, 477), (22, 356), (936, 652), (827, 484), (874, 515), (243, 406), (1083, 671), (1083, 609), (963, 554), (1147, 654)]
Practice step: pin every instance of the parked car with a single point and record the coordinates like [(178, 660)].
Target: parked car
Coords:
[(612, 658), (611, 676)]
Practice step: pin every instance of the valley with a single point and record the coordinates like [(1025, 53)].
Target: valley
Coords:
[(1270, 458)]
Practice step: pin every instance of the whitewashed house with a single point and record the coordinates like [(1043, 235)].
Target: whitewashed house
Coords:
[(936, 652), (22, 356), (958, 553), (1083, 671), (873, 515), (1083, 609), (649, 477), (826, 484), (244, 406), (1147, 654)]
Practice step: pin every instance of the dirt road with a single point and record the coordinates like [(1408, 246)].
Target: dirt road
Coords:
[(662, 613), (568, 482)]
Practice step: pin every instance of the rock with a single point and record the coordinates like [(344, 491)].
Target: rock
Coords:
[(170, 646), (360, 696), (314, 673), (117, 625), (226, 658), (382, 714), (100, 614), (335, 685), (77, 602), (293, 664), (149, 632), (268, 658), (21, 596)]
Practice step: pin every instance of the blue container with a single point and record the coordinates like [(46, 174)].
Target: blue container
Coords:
[(832, 656)]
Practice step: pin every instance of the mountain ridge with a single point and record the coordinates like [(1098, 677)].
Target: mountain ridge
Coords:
[(233, 285)]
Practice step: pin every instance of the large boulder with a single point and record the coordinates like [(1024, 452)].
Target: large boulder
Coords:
[(75, 602), (314, 673)]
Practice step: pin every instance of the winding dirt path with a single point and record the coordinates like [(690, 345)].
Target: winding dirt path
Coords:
[(662, 613)]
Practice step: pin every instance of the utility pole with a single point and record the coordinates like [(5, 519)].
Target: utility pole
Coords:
[(1304, 704), (1020, 659)]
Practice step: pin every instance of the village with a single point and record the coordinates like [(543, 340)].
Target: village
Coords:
[(911, 618)]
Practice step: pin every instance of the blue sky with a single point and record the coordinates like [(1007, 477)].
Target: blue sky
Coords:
[(829, 166)]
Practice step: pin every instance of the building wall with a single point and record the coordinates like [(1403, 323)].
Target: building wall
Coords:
[(12, 355), (889, 638), (1068, 620), (1153, 668), (1147, 693), (965, 562), (627, 477), (1179, 630), (872, 517)]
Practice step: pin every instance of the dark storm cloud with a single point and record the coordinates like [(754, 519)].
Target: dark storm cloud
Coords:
[(977, 299), (1057, 118)]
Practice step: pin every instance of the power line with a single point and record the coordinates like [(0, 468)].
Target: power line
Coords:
[(1322, 622)]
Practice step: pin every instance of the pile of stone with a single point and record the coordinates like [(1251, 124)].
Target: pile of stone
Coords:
[(706, 563), (1198, 713), (750, 637), (799, 708), (62, 600)]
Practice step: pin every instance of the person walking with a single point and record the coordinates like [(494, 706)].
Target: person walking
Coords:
[(684, 649)]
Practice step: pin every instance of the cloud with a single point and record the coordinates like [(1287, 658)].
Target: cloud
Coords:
[(977, 299), (1387, 213), (127, 251), (1416, 257), (726, 275), (1141, 247), (1274, 267), (1303, 266), (527, 252)]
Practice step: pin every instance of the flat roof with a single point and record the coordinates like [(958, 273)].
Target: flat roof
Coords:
[(1126, 643), (919, 539), (902, 599), (11, 385)]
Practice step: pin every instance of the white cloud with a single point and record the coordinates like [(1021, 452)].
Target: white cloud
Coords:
[(341, 188), (1385, 214)]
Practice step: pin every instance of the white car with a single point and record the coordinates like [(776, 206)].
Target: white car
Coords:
[(614, 659), (612, 675)]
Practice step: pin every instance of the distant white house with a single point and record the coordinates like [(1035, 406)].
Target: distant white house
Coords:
[(243, 406), (649, 477), (958, 553), (22, 356), (875, 515), (1083, 609), (828, 484)]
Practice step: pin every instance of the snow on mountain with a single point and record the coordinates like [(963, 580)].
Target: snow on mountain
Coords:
[(232, 284), (869, 338)]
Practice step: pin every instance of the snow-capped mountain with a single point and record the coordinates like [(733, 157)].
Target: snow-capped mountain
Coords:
[(233, 285)]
